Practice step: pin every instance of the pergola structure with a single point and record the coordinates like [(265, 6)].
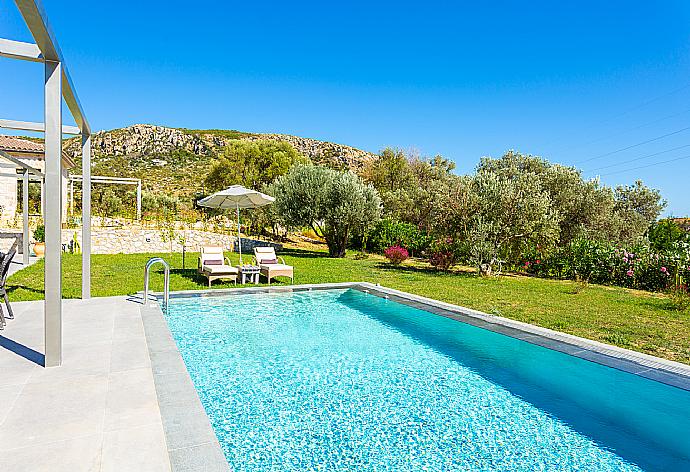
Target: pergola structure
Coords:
[(104, 179), (28, 173), (57, 85)]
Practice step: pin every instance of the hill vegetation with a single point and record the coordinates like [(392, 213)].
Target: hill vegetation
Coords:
[(175, 162)]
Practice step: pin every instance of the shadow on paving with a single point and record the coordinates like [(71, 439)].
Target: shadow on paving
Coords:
[(23, 351)]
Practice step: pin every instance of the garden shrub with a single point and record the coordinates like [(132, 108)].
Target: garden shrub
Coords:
[(396, 254), (40, 234), (604, 263), (159, 203), (444, 253), (387, 233), (109, 203), (664, 234)]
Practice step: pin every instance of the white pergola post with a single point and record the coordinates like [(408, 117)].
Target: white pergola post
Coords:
[(25, 218), (53, 214), (71, 198), (86, 217), (139, 200), (43, 199)]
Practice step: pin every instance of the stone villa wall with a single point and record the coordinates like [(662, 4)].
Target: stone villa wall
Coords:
[(142, 240), (139, 240)]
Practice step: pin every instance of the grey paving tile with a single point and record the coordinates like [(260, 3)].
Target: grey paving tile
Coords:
[(53, 411), (30, 337), (203, 457), (167, 362), (131, 400), (186, 425), (141, 449), (160, 339), (81, 454), (8, 396), (130, 354), (175, 389), (128, 327), (85, 334), (77, 361), (15, 369)]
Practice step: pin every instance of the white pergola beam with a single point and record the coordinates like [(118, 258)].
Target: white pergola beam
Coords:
[(104, 179), (36, 19), (20, 50), (37, 127), (20, 177), (73, 103), (21, 164)]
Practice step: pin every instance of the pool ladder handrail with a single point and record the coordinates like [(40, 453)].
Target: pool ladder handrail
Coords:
[(166, 284)]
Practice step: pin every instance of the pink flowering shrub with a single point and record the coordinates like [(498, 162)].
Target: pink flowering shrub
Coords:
[(604, 263), (444, 254), (396, 254)]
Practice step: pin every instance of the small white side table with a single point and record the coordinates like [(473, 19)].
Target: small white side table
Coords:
[(251, 273)]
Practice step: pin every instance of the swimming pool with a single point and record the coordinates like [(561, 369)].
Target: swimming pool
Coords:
[(344, 380)]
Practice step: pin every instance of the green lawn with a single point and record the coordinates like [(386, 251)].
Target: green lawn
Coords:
[(636, 320)]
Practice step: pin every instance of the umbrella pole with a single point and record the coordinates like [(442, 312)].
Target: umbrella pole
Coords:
[(239, 238)]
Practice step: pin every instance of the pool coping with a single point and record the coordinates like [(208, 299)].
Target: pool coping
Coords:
[(191, 442), (644, 365)]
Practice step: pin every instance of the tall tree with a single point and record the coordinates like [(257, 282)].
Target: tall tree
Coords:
[(252, 164), (511, 215), (413, 190), (636, 208), (332, 203)]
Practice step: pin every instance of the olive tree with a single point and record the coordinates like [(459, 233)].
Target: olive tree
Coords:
[(331, 202), (584, 208), (636, 208), (511, 215)]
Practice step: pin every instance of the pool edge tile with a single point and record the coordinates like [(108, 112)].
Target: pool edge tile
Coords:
[(187, 428)]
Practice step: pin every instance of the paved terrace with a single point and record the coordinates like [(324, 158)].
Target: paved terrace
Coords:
[(98, 411)]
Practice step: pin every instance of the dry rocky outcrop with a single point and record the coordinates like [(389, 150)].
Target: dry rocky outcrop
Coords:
[(159, 142)]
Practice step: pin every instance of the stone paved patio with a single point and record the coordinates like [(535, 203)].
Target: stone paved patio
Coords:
[(98, 411)]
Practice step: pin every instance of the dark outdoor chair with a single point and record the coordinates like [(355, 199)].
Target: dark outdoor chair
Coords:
[(5, 263)]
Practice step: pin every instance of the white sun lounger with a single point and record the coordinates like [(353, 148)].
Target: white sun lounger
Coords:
[(215, 266), (272, 266)]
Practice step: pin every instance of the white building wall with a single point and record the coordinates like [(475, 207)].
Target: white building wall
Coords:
[(8, 191), (9, 187), (65, 190)]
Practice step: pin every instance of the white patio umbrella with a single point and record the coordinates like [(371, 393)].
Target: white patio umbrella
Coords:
[(236, 197)]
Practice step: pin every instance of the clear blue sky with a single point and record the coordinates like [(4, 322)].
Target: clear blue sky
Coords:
[(570, 81)]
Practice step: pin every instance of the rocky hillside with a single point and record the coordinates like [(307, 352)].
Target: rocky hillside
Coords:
[(177, 160)]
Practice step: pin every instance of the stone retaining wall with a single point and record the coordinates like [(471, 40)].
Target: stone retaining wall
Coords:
[(141, 240)]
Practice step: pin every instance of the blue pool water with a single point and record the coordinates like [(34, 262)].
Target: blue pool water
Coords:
[(342, 380)]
